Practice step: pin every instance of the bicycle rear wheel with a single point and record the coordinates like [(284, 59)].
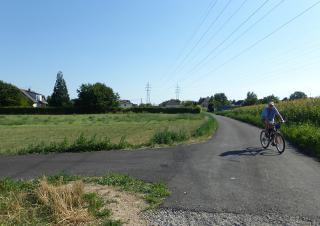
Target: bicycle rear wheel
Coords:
[(279, 143), (264, 139)]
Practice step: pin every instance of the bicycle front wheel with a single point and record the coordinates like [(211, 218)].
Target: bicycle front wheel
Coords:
[(264, 139), (279, 143)]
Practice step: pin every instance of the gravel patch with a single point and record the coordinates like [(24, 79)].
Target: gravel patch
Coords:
[(169, 217)]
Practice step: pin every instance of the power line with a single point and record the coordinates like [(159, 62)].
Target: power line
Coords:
[(221, 27), (261, 40), (203, 35), (148, 90), (240, 35), (205, 17), (229, 36)]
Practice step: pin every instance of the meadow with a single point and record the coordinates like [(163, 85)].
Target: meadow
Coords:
[(50, 133), (302, 125)]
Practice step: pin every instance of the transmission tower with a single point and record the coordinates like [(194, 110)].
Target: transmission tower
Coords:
[(148, 90), (177, 92)]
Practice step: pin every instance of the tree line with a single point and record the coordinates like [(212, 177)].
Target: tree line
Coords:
[(219, 101), (96, 96), (102, 98)]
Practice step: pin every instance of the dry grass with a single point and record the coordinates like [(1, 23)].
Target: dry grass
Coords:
[(65, 202), (125, 206), (112, 200)]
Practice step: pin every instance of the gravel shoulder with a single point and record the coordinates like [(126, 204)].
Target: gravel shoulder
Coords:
[(167, 217)]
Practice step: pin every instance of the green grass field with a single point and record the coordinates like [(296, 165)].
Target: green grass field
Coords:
[(20, 131)]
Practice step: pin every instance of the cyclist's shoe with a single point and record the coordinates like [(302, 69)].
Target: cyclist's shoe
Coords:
[(273, 144)]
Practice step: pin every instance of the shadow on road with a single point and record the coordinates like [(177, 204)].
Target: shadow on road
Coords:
[(250, 151)]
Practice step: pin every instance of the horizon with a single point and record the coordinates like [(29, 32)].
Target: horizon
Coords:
[(205, 47)]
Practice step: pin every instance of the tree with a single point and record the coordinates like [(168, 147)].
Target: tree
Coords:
[(10, 95), (251, 99), (298, 95), (97, 96), (270, 98), (60, 96), (211, 104), (220, 101)]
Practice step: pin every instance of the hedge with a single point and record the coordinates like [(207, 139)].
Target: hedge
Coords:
[(77, 110)]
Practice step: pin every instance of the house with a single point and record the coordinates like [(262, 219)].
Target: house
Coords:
[(125, 104), (38, 99), (171, 104)]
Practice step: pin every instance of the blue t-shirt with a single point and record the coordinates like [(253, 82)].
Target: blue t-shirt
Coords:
[(269, 114)]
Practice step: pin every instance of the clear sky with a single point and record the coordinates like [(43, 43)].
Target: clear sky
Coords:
[(126, 43)]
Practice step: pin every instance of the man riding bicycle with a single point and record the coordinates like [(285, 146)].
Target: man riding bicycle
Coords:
[(268, 116)]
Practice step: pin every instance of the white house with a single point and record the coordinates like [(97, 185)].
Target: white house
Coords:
[(125, 104), (38, 99)]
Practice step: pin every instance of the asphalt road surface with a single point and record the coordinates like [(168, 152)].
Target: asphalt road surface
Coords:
[(228, 174)]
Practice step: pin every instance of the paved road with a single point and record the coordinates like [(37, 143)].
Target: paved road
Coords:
[(228, 174)]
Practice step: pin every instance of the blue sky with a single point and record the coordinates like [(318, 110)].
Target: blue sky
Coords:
[(126, 43)]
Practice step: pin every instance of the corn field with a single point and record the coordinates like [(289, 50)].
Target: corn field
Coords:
[(302, 121)]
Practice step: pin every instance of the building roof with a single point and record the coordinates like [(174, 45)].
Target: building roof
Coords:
[(125, 102), (33, 96)]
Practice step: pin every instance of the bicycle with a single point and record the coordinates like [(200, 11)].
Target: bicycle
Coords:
[(274, 137)]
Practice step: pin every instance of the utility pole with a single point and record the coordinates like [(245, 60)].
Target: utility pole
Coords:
[(177, 92), (148, 90)]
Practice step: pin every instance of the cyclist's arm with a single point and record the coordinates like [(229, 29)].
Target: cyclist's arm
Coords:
[(279, 115)]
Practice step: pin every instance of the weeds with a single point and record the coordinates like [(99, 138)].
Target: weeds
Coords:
[(206, 129), (169, 137), (81, 144)]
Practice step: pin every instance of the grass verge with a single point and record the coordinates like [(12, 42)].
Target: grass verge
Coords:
[(62, 200)]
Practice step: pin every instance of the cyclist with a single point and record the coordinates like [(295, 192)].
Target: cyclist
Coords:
[(268, 116)]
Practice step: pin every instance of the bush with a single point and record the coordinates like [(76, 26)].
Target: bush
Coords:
[(87, 110), (195, 110), (169, 137)]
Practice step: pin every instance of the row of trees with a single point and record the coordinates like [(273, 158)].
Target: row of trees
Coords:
[(98, 95), (219, 101), (252, 98)]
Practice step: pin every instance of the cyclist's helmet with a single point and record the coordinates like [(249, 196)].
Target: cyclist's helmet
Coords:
[(271, 103)]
